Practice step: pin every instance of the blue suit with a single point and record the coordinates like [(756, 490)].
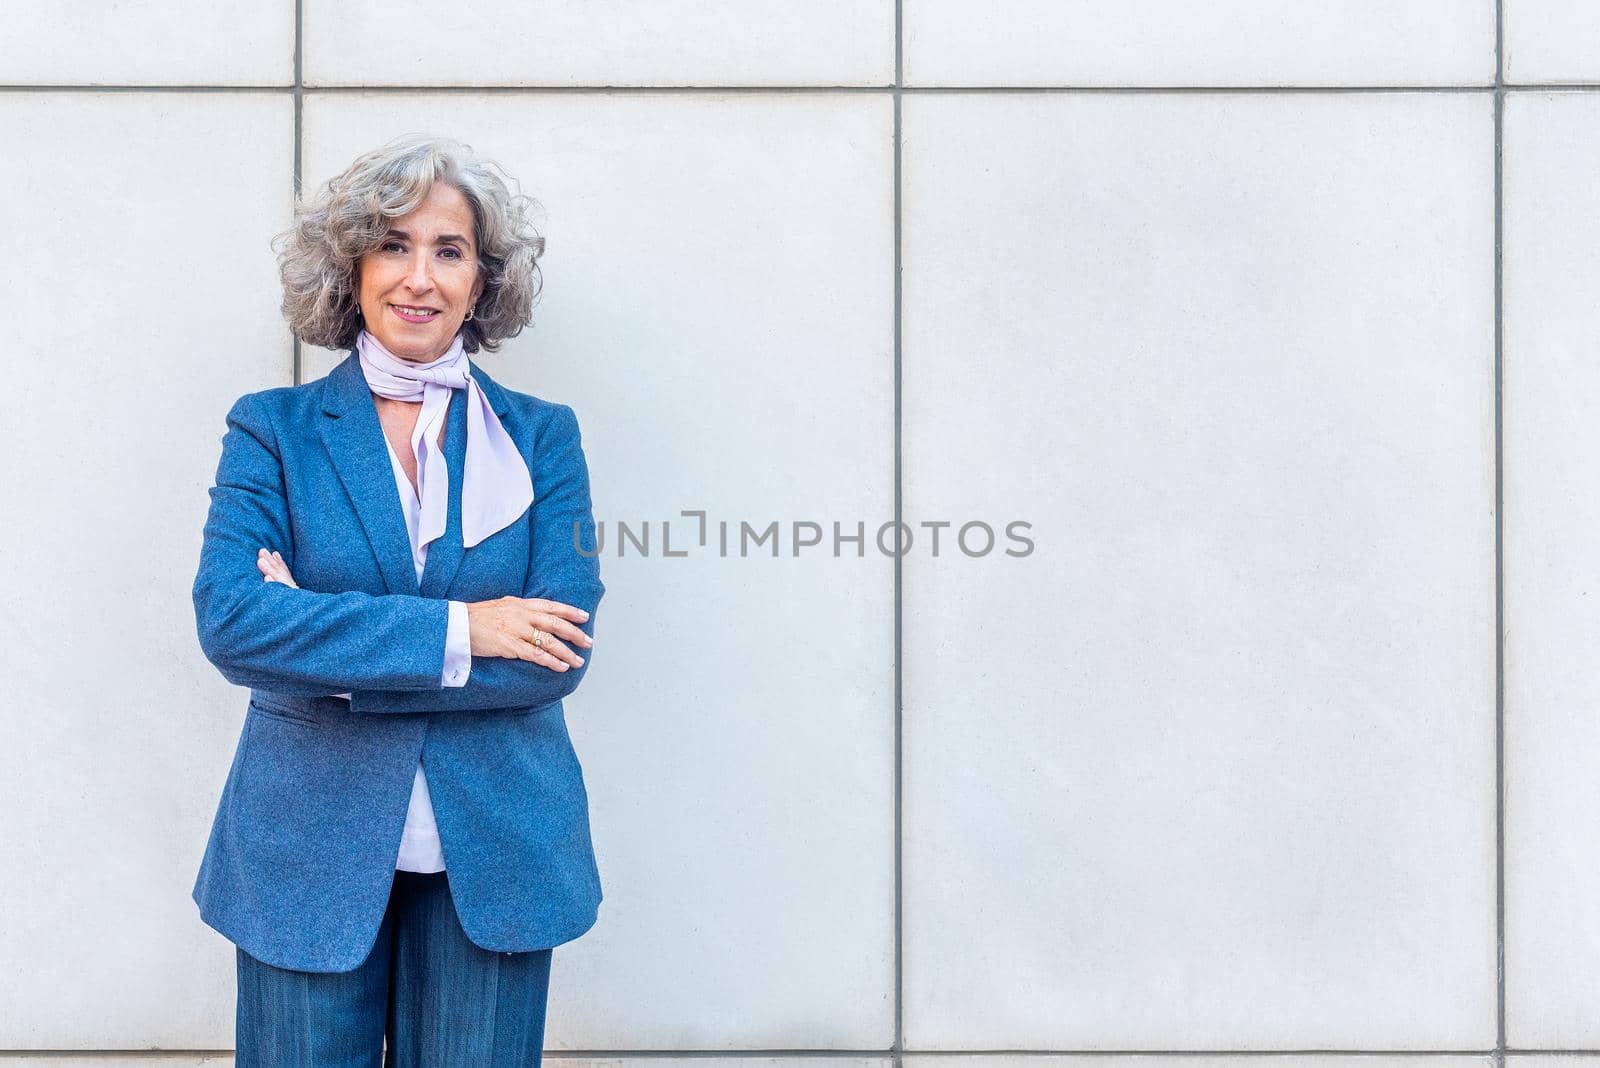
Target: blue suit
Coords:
[(302, 852)]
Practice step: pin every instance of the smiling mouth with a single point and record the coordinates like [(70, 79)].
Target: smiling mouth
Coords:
[(413, 314)]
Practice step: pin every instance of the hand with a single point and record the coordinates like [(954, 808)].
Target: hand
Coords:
[(504, 627), (273, 569)]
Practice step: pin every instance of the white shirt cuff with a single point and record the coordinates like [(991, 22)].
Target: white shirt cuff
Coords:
[(457, 647)]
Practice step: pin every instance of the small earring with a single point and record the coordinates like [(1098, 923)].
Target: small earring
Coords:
[(468, 319)]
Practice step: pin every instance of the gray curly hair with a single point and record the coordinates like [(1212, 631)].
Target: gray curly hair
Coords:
[(350, 214)]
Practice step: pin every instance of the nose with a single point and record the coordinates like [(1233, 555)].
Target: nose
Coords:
[(420, 275)]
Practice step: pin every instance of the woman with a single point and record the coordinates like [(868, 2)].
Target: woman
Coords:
[(392, 564)]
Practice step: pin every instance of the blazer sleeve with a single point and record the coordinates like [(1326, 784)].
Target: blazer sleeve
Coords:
[(272, 636), (562, 520)]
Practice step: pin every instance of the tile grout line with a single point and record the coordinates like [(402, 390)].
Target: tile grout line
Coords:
[(298, 88), (1499, 543), (856, 1054), (898, 1047)]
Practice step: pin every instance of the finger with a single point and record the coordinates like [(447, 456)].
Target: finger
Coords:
[(554, 650), (526, 651), (562, 629), (277, 571), (559, 608)]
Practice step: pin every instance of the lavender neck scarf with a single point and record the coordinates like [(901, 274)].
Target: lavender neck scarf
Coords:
[(495, 487)]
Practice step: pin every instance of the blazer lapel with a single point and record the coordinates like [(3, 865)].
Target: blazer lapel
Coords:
[(354, 440)]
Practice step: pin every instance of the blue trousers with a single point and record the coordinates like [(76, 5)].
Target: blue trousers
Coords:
[(426, 991)]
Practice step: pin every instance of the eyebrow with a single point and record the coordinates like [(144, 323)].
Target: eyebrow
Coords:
[(442, 237)]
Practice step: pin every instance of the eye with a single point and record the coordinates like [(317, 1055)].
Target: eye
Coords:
[(387, 245), (453, 253)]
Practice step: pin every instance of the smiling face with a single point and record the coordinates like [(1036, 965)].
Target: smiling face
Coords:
[(416, 287)]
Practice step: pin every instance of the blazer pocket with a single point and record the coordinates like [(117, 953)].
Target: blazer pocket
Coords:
[(273, 710)]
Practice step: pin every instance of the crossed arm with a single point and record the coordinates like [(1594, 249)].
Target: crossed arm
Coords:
[(386, 650)]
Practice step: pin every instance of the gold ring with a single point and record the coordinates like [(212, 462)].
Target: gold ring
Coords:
[(538, 639)]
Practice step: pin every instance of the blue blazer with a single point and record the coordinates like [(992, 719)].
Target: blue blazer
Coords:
[(302, 853)]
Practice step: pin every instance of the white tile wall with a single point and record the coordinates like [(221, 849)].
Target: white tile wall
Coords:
[(145, 301), (1214, 767), (1552, 41), (717, 282), (577, 42), (164, 42), (1552, 571), (1174, 42)]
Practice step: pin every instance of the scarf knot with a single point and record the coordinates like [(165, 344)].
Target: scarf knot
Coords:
[(496, 487)]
